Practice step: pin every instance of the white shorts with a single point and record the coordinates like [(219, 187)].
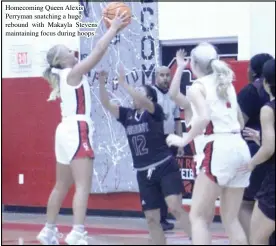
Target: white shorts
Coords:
[(221, 157), (73, 140)]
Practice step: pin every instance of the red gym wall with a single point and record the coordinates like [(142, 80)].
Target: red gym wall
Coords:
[(28, 129), (28, 125)]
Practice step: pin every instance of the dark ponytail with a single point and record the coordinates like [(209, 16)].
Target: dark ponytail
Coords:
[(257, 62), (151, 93), (269, 75)]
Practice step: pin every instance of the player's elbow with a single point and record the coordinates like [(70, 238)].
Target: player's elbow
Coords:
[(269, 149)]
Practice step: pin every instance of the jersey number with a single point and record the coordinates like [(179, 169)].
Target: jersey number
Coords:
[(139, 142)]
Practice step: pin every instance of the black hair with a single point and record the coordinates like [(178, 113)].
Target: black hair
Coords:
[(58, 66), (269, 75), (257, 62), (151, 93)]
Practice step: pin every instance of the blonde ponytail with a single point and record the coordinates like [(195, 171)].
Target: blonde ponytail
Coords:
[(53, 80), (224, 76)]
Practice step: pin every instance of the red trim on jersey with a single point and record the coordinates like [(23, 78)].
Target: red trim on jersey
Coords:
[(84, 149), (80, 100), (207, 161), (209, 129)]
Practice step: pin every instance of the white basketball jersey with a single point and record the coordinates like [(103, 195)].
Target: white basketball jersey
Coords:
[(75, 100), (170, 110), (223, 113)]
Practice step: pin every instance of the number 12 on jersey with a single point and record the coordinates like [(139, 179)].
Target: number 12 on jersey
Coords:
[(139, 143)]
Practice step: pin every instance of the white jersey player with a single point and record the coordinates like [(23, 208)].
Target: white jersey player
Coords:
[(74, 134), (73, 138), (217, 119)]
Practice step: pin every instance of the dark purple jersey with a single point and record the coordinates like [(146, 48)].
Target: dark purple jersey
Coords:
[(145, 133), (251, 99)]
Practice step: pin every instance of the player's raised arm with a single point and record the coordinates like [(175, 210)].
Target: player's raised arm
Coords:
[(174, 91), (104, 97), (201, 121), (97, 53), (137, 95)]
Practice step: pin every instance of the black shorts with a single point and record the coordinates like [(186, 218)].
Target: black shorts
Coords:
[(174, 150), (165, 180), (266, 196), (256, 179)]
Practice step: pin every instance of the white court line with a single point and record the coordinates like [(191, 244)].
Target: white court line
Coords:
[(21, 179), (20, 241)]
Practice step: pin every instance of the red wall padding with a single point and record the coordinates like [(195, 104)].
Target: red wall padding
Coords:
[(28, 129), (240, 69)]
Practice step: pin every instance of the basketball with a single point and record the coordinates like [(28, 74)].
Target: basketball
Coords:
[(111, 9)]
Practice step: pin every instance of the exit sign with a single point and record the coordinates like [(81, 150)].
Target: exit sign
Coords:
[(23, 59)]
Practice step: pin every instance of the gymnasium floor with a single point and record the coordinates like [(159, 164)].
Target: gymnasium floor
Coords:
[(20, 229)]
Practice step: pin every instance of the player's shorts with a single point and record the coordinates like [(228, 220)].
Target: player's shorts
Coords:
[(256, 179), (266, 194), (257, 176), (73, 140), (223, 155), (161, 182)]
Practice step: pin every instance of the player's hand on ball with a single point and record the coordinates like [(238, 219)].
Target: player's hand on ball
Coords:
[(103, 77), (174, 140), (119, 21), (181, 59)]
